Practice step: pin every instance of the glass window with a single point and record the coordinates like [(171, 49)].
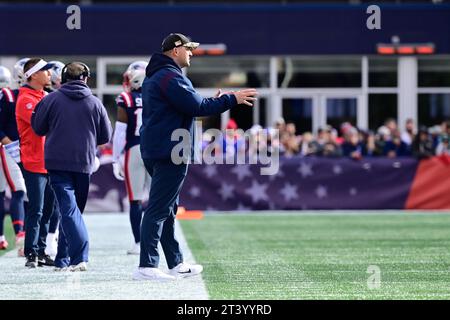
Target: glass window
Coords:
[(434, 72), (298, 111), (433, 108), (381, 107), (109, 101), (340, 110), (311, 72), (223, 72), (382, 72), (114, 73)]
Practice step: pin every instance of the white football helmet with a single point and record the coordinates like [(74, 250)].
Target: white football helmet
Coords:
[(5, 77), (55, 74), (134, 76), (18, 74)]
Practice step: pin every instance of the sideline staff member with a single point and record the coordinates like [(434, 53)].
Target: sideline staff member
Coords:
[(75, 122), (41, 198)]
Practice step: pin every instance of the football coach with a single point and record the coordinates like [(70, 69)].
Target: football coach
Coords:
[(74, 122), (170, 103)]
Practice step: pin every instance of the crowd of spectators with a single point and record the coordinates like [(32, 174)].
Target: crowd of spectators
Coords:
[(345, 141)]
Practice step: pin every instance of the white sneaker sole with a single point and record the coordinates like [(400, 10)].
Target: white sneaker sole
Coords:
[(78, 267), (139, 276)]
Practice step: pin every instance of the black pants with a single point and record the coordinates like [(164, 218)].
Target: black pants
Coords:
[(159, 218)]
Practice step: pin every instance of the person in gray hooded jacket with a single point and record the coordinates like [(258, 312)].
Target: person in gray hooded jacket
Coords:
[(74, 122)]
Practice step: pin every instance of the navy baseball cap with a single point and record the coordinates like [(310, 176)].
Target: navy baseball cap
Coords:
[(174, 40)]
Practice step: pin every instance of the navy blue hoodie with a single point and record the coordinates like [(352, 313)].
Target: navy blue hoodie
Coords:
[(74, 122), (169, 103)]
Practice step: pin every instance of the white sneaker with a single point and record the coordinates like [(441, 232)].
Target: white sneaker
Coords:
[(151, 274), (82, 266), (184, 270), (136, 249), (51, 245)]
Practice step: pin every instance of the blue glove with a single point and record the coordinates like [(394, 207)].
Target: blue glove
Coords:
[(13, 150)]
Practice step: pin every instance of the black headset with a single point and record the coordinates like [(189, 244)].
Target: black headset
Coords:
[(85, 74)]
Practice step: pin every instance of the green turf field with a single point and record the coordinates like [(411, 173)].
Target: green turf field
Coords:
[(9, 233), (318, 256)]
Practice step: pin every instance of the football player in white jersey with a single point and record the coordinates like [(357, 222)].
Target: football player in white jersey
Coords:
[(10, 173)]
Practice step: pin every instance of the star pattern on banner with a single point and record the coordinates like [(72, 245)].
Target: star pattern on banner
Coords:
[(194, 192), (242, 171), (289, 192), (337, 169), (305, 169), (314, 183), (226, 191), (321, 192), (210, 170), (258, 191)]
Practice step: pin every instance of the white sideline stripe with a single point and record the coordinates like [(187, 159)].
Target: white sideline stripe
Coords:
[(109, 271)]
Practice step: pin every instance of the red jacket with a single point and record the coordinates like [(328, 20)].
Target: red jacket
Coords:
[(31, 145)]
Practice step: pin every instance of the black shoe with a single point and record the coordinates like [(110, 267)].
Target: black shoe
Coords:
[(45, 260), (32, 261)]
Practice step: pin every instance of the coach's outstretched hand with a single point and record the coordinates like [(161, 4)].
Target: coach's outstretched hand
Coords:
[(246, 96)]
